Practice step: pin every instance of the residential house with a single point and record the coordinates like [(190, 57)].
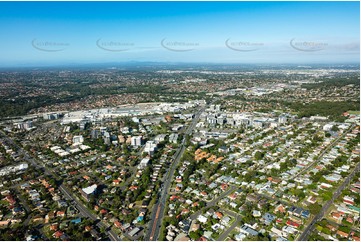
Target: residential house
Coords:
[(202, 219), (248, 231), (268, 218), (225, 220), (342, 234), (58, 234)]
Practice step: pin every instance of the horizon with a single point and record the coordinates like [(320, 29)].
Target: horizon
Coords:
[(172, 65), (46, 34)]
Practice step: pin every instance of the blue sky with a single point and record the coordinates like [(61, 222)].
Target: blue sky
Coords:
[(51, 33)]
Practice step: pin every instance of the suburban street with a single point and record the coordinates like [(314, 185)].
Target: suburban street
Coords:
[(225, 234), (214, 201), (311, 226), (158, 210), (180, 121), (323, 152), (82, 209)]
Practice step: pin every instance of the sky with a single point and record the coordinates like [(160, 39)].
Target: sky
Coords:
[(58, 33)]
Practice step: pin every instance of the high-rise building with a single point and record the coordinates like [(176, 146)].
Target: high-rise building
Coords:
[(282, 119), (136, 141), (51, 116), (78, 139), (25, 125), (173, 138), (218, 108), (88, 191), (150, 147), (143, 163)]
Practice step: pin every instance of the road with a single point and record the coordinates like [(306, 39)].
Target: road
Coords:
[(225, 234), (214, 201), (25, 204), (274, 198), (238, 220), (319, 216), (158, 210), (87, 213), (330, 146), (82, 209), (313, 163)]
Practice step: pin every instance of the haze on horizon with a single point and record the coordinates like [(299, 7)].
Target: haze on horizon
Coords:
[(60, 33)]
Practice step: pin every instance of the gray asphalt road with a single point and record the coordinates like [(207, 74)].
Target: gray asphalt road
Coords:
[(323, 152), (214, 201), (82, 209), (155, 222), (311, 226), (225, 234)]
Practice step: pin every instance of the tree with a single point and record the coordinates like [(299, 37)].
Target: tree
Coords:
[(194, 235), (315, 208), (345, 229), (334, 128), (171, 220), (326, 231), (319, 228), (258, 155), (327, 196)]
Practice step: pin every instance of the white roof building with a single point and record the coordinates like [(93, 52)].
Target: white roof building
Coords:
[(90, 190), (143, 163), (240, 237), (202, 219)]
